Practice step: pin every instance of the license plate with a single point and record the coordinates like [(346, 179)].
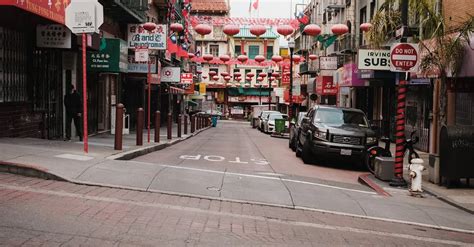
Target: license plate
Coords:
[(346, 152)]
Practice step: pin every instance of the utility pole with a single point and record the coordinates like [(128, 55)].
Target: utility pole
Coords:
[(398, 180)]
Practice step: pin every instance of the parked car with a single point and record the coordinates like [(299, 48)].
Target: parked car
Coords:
[(332, 132), (255, 114), (295, 130), (213, 113), (262, 118), (269, 123)]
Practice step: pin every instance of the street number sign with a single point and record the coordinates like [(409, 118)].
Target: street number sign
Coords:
[(404, 57), (84, 16)]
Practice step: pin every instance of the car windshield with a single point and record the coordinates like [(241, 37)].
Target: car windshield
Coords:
[(265, 114), (337, 117), (277, 116)]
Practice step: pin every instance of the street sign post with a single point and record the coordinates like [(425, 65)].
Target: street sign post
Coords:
[(404, 57), (82, 17)]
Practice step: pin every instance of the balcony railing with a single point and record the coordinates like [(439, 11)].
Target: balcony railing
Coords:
[(346, 44)]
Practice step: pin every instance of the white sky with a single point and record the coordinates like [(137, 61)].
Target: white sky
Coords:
[(266, 9)]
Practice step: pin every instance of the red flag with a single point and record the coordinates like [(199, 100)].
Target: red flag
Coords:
[(255, 4), (182, 52), (172, 47)]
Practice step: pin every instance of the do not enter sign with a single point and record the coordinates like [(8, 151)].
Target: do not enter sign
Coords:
[(404, 57)]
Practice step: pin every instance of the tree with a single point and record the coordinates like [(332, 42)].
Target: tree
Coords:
[(443, 47)]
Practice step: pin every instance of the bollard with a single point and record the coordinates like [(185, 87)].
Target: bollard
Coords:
[(140, 116), (170, 125), (118, 127), (179, 125), (185, 124), (198, 125), (192, 118), (157, 126)]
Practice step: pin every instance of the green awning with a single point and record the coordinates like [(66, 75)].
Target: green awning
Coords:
[(192, 103), (249, 91)]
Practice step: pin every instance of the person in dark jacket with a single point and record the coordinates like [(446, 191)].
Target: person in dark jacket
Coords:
[(73, 104)]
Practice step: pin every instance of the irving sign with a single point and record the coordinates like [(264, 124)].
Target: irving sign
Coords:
[(374, 59)]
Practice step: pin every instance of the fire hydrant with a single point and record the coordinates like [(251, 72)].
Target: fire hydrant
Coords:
[(416, 167)]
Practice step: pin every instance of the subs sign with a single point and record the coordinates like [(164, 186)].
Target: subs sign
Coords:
[(374, 59), (404, 57)]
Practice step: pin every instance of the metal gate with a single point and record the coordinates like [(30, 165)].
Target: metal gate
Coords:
[(46, 75)]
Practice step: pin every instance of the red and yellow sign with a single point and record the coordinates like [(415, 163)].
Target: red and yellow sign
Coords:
[(52, 10), (325, 85)]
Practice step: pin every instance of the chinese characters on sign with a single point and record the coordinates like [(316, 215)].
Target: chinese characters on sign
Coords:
[(139, 37), (325, 85), (112, 57), (53, 36), (285, 77)]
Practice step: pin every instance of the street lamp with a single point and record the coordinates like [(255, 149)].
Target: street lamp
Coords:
[(291, 45), (269, 76)]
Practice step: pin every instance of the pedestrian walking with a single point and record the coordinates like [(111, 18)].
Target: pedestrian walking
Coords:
[(73, 104)]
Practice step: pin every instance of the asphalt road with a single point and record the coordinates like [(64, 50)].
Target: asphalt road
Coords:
[(37, 212)]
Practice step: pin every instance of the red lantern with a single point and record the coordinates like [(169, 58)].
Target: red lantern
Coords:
[(312, 56), (227, 78), (312, 30), (339, 29), (190, 55), (149, 26), (203, 29), (198, 72), (212, 73), (265, 85), (259, 78), (237, 74), (259, 58), (176, 27), (257, 30), (237, 78), (231, 30), (224, 58), (242, 58), (365, 26), (215, 78), (275, 74), (204, 77), (224, 74), (207, 57), (296, 59), (285, 30), (262, 74), (247, 85), (277, 58), (271, 78), (274, 84), (250, 75)]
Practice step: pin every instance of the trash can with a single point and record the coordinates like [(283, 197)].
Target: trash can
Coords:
[(214, 121), (279, 126)]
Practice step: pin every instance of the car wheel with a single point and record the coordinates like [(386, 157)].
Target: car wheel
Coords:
[(306, 153)]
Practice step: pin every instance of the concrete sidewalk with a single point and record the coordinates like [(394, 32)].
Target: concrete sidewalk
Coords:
[(462, 198)]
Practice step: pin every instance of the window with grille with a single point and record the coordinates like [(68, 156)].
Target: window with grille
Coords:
[(269, 52), (237, 50), (13, 72), (214, 50), (253, 51)]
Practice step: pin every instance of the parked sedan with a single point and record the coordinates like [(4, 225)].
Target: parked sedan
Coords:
[(295, 130), (262, 118), (269, 123), (332, 132)]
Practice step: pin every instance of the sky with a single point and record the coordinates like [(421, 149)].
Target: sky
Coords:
[(266, 9)]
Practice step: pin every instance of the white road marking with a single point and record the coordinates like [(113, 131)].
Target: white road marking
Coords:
[(214, 158), (269, 178), (251, 217), (217, 158), (237, 160), (74, 157), (190, 157)]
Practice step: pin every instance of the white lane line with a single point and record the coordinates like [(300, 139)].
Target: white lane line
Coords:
[(251, 217), (74, 157), (265, 177)]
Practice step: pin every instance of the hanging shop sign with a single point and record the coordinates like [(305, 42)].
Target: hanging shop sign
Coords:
[(186, 78), (285, 77), (327, 63), (325, 85), (202, 88), (111, 57), (139, 37), (374, 59), (170, 74), (53, 36), (351, 77), (135, 66)]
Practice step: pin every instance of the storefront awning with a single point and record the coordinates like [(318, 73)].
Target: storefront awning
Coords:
[(176, 90)]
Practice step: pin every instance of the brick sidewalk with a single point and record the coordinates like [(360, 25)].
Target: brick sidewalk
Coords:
[(43, 212)]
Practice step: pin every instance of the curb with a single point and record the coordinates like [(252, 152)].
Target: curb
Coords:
[(364, 179), (40, 172), (448, 201)]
